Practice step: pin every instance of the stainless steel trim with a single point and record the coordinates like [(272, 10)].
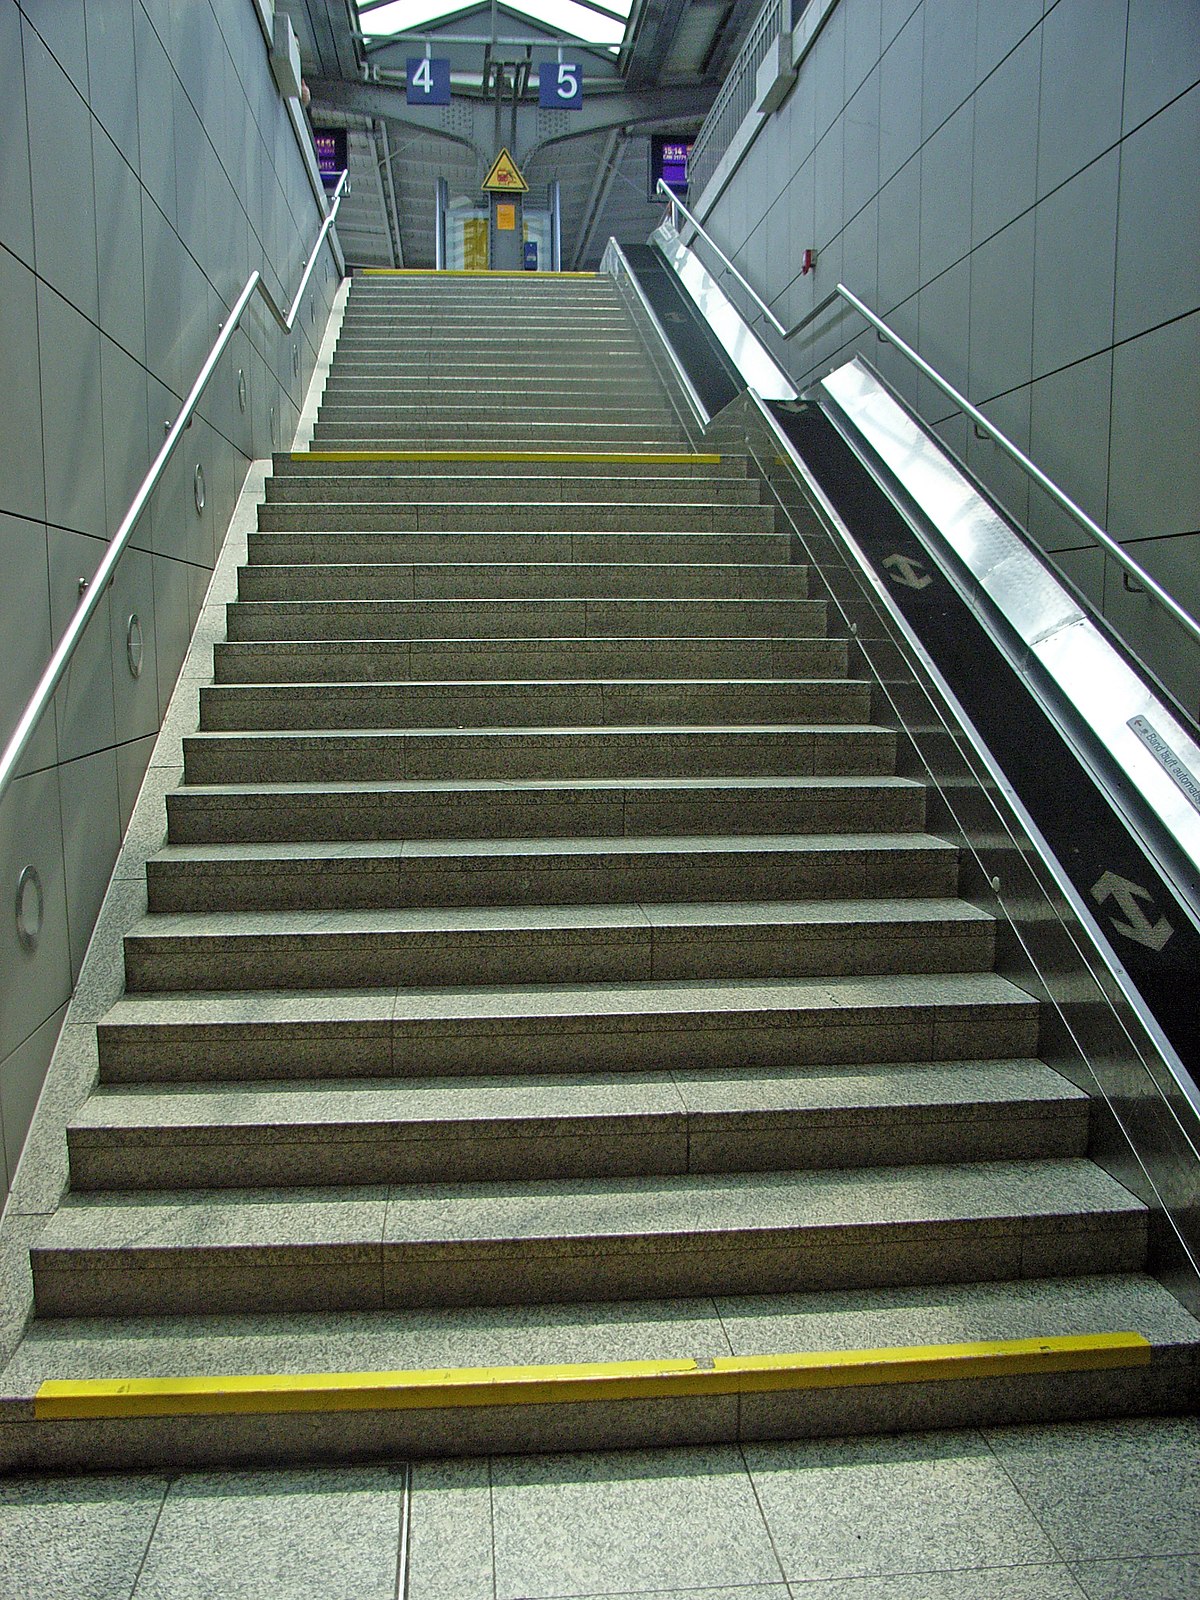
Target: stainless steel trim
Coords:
[(678, 205), (60, 660), (615, 264), (133, 645), (29, 929), (198, 488)]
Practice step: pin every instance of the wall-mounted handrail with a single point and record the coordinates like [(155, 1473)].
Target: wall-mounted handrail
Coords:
[(61, 659), (1185, 620)]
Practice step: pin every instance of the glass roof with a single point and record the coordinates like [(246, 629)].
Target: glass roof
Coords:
[(603, 23)]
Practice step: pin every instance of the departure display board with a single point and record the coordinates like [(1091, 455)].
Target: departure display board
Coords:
[(669, 160)]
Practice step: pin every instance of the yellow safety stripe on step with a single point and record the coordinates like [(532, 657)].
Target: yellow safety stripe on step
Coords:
[(606, 1380), (620, 458), (465, 272)]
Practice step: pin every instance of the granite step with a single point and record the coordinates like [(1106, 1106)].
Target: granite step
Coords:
[(509, 487), (327, 875), (526, 808), (548, 515), (454, 754), (522, 580), (488, 1129), (384, 660), (513, 547), (377, 1247), (618, 943)]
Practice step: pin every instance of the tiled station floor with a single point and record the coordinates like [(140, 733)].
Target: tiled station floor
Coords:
[(1086, 1511)]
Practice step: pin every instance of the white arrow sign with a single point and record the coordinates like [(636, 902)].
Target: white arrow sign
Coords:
[(1129, 896), (907, 571)]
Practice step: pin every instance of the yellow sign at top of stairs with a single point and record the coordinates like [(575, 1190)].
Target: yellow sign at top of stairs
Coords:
[(505, 177)]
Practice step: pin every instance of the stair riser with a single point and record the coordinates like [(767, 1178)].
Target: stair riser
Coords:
[(529, 435), (451, 516), (729, 466), (560, 955), (359, 384), (504, 1272), (382, 884), (232, 818), (397, 663), (448, 1153), (344, 759), (500, 490), (583, 412), (857, 1035), (520, 619), (296, 707), (674, 550), (504, 580)]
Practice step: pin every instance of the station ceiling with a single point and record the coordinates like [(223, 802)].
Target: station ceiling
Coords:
[(649, 66)]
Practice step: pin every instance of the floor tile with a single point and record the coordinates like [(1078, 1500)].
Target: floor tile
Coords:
[(1142, 1578), (1109, 1489), (75, 1538), (907, 1504), (450, 1538), (612, 1523), (987, 1583), (287, 1535)]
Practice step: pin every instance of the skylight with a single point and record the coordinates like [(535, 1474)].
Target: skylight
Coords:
[(603, 24)]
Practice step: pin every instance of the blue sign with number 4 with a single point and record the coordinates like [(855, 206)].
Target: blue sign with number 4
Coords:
[(560, 86), (428, 81)]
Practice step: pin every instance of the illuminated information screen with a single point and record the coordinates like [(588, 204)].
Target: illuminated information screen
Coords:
[(669, 161)]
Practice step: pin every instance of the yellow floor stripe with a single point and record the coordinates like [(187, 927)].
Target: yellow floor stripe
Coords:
[(624, 458), (608, 1380), (464, 272)]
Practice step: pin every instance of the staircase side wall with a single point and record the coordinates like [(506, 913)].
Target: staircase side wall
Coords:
[(149, 164), (1015, 188)]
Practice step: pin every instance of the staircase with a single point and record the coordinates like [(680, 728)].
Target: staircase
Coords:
[(546, 964)]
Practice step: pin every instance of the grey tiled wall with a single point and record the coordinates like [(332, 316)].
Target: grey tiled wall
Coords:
[(147, 165), (1017, 189)]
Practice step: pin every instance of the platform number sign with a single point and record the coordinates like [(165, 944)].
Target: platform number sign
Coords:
[(428, 81), (560, 86)]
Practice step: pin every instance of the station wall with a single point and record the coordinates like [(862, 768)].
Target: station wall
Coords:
[(149, 164), (1016, 189)]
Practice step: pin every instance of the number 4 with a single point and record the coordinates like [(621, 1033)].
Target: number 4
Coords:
[(422, 78)]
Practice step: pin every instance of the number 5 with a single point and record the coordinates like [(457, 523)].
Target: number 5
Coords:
[(568, 83)]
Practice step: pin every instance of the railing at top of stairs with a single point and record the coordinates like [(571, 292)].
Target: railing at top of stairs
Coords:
[(1132, 568), (92, 595)]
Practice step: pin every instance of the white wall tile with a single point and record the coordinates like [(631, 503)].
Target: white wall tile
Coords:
[(827, 63), (1154, 635), (163, 268), (21, 1077), (119, 246), (948, 73), (1069, 426), (171, 627), (156, 115), (999, 29), (900, 236), (860, 159), (25, 630), (1006, 141), (943, 336), (946, 194), (1085, 570), (893, 16), (69, 352), (1154, 483), (1083, 63), (828, 215), (37, 981), (132, 761), (22, 472), (113, 92), (126, 435), (860, 254), (91, 839), (60, 152), (135, 699), (799, 113), (1002, 311), (62, 29), (899, 97), (999, 474), (863, 21), (16, 202), (1159, 201), (1162, 55), (83, 703), (1075, 267)]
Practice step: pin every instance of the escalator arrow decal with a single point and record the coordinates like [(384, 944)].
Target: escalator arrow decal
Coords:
[(1129, 897)]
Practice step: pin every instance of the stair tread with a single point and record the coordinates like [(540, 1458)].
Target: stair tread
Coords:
[(540, 922), (630, 788), (321, 1109), (935, 995), (1062, 1194)]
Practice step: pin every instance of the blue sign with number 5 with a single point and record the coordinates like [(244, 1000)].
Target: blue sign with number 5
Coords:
[(428, 81), (560, 86)]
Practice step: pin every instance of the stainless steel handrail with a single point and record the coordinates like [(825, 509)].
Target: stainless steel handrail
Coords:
[(61, 659), (614, 253), (1185, 620)]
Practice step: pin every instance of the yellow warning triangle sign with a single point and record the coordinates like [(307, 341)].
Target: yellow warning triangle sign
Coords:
[(505, 178)]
